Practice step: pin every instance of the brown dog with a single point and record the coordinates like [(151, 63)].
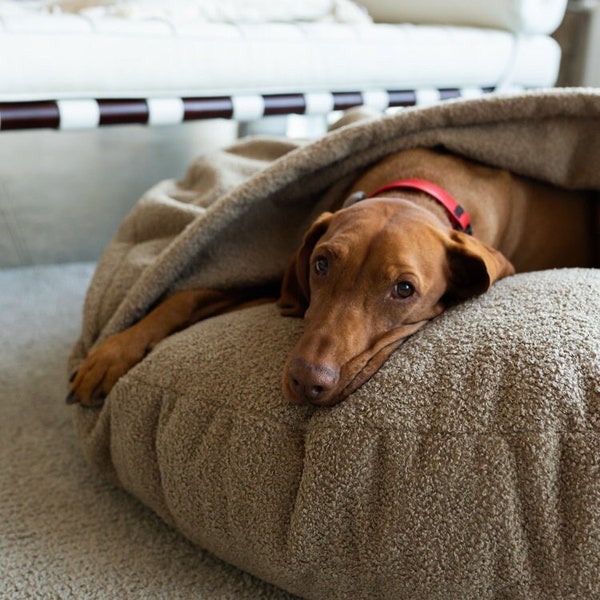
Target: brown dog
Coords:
[(376, 271)]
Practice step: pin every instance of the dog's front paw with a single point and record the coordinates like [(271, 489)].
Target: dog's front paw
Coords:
[(102, 368)]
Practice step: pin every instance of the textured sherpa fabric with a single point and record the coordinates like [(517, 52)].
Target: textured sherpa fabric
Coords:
[(467, 467)]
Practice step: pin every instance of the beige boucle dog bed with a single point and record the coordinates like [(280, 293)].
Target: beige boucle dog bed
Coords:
[(467, 467)]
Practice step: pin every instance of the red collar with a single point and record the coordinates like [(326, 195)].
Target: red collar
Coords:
[(458, 215)]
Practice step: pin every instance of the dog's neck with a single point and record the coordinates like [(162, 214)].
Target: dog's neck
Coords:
[(414, 196), (479, 190), (420, 199), (459, 218)]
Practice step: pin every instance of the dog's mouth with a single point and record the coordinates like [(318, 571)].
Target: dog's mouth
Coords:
[(358, 370)]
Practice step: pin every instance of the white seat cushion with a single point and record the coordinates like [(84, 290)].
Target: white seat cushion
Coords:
[(524, 16), (70, 56)]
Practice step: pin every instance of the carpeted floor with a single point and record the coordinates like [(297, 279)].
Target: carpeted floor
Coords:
[(63, 532)]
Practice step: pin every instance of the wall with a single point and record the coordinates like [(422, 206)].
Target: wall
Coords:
[(592, 66), (63, 194)]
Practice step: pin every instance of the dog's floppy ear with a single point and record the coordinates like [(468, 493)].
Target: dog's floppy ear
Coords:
[(474, 266), (295, 289)]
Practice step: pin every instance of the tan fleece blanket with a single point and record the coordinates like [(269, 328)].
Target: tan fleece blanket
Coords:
[(466, 467)]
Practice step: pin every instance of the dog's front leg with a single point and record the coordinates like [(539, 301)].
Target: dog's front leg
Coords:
[(117, 354)]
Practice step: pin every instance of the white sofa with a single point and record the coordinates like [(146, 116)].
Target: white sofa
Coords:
[(85, 64)]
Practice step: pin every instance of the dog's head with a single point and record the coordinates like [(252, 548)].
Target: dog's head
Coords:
[(364, 279)]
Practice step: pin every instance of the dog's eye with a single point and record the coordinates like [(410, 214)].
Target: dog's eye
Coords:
[(403, 289), (321, 265)]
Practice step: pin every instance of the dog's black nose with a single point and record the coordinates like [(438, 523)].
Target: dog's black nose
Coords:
[(311, 382)]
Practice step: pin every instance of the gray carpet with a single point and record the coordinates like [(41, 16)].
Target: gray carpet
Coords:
[(63, 532)]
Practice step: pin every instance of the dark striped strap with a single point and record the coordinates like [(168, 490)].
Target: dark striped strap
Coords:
[(92, 113)]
